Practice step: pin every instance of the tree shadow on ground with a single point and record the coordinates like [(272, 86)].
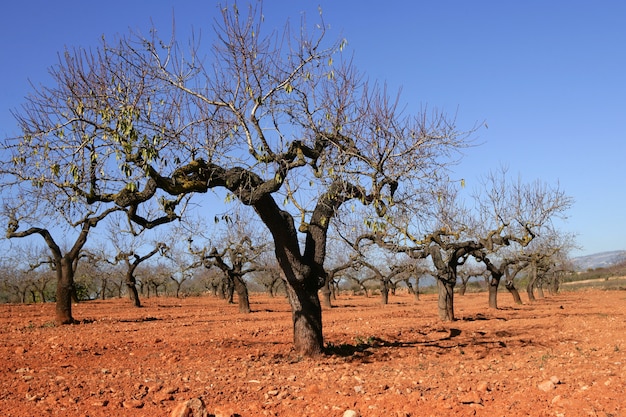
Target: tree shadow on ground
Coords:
[(364, 350), (366, 347)]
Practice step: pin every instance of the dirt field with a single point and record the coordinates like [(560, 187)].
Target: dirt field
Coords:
[(560, 356)]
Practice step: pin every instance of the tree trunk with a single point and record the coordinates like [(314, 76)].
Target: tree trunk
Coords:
[(384, 293), (445, 302), (540, 293), (229, 291), (414, 290), (532, 279), (307, 320), (493, 292), (326, 293), (65, 287), (132, 290), (554, 284), (463, 287), (510, 286), (303, 274), (242, 294)]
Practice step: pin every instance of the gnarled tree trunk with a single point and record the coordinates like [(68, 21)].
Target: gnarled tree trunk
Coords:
[(510, 286), (445, 302), (306, 313)]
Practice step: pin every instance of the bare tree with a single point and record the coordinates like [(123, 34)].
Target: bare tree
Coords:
[(508, 213), (183, 266), (269, 274), (236, 259), (64, 263), (281, 121), (466, 273)]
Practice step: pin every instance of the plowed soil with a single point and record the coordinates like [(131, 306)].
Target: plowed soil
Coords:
[(564, 355)]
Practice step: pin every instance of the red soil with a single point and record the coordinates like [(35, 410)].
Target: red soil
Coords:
[(393, 360)]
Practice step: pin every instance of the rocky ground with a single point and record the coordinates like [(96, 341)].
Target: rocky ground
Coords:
[(564, 355)]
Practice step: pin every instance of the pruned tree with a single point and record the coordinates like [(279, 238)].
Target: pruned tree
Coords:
[(466, 273), (329, 289), (495, 271), (154, 278), (235, 259), (269, 275), (412, 278), (132, 260), (183, 264), (64, 263), (281, 121), (507, 213), (56, 177)]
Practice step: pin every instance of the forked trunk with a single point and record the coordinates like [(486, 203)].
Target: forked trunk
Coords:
[(554, 284), (414, 290), (306, 313), (445, 302), (65, 287)]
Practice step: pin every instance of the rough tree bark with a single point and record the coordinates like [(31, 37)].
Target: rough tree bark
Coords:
[(445, 299)]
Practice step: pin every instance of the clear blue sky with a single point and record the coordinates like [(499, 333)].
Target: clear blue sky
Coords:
[(548, 77)]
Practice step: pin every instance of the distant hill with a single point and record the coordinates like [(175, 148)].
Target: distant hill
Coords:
[(599, 260)]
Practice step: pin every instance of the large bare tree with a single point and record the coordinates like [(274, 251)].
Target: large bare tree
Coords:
[(279, 119)]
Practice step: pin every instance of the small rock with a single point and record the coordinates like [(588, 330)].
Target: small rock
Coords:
[(482, 386), (471, 397), (546, 386), (171, 390), (160, 397), (350, 413), (133, 403), (191, 408), (555, 380)]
